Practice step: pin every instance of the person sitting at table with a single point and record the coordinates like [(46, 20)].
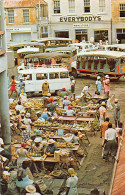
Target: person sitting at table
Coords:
[(63, 93), (51, 148), (37, 147), (70, 111), (51, 106), (38, 134), (66, 102), (75, 138), (44, 116), (19, 107)]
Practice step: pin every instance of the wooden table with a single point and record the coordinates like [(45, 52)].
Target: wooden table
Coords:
[(67, 118), (87, 119)]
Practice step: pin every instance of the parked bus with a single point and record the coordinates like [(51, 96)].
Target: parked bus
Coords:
[(72, 51), (101, 62), (57, 78), (27, 48), (54, 41), (46, 60), (84, 47), (114, 47)]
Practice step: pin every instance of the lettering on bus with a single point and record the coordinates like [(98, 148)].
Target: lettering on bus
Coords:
[(80, 19)]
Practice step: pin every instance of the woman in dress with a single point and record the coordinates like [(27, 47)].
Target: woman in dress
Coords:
[(21, 154), (71, 183), (13, 86)]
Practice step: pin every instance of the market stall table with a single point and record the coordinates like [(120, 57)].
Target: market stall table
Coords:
[(66, 118), (86, 119)]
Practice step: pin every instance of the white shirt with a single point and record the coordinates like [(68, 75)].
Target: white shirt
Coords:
[(70, 112), (85, 89), (1, 143), (19, 107), (110, 134)]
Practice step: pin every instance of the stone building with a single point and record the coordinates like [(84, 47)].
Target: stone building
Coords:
[(24, 19), (80, 19), (118, 21), (4, 102)]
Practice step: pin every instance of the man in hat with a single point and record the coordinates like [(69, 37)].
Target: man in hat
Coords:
[(99, 84), (116, 113), (37, 147), (51, 148), (106, 84), (85, 92), (102, 113)]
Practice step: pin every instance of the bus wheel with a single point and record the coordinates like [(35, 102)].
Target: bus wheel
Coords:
[(74, 72)]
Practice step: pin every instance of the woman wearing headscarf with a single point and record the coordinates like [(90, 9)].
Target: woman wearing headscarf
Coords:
[(71, 183)]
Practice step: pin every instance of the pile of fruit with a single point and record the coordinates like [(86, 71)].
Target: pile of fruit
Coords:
[(95, 125), (12, 105)]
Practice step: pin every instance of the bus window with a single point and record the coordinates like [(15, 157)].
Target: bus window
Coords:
[(102, 62), (90, 61), (52, 75), (96, 61), (47, 61), (27, 76), (64, 75), (111, 63), (41, 76), (58, 61)]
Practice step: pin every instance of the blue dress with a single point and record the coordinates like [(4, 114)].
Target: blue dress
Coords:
[(99, 86), (21, 86)]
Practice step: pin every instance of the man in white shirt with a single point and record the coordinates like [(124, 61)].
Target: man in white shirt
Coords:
[(110, 142), (85, 91)]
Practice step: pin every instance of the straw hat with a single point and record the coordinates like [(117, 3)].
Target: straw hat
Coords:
[(51, 141), (103, 104), (116, 100), (23, 127), (28, 115), (107, 76), (21, 78), (30, 189), (37, 139), (98, 77)]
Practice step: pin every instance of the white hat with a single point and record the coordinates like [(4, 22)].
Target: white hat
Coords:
[(37, 139), (103, 104), (107, 76), (27, 115), (98, 77), (51, 141), (30, 188)]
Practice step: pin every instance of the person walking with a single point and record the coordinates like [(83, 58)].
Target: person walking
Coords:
[(110, 143), (13, 86), (116, 113), (102, 113), (106, 84), (71, 183), (99, 84), (21, 86), (104, 127), (73, 82), (45, 88)]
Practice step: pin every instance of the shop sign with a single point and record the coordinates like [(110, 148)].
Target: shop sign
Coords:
[(78, 25), (80, 19), (19, 29)]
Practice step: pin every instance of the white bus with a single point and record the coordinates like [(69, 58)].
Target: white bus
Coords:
[(57, 78)]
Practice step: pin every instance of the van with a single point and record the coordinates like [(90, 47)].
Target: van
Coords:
[(57, 78)]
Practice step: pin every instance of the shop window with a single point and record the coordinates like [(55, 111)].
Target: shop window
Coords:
[(11, 16), (26, 16), (44, 31), (122, 10), (101, 5), (56, 6), (86, 6), (64, 75), (64, 34), (71, 6), (41, 76), (101, 35)]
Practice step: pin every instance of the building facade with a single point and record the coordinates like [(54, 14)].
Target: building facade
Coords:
[(4, 101), (118, 21), (80, 19), (23, 19)]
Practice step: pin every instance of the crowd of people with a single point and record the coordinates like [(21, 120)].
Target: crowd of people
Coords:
[(111, 137)]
